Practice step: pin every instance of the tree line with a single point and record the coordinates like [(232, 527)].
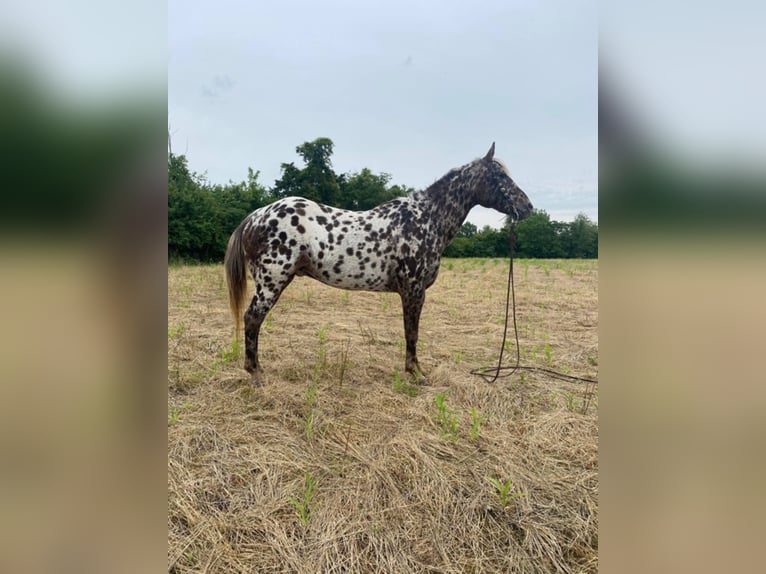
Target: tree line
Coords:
[(202, 215), (538, 236)]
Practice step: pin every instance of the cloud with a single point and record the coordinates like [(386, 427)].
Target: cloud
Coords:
[(219, 86)]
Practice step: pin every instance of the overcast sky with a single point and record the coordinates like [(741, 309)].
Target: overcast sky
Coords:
[(411, 88)]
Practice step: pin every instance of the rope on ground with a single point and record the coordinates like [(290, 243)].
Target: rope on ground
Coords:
[(491, 374)]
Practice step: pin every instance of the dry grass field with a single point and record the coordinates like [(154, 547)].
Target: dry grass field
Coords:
[(339, 464)]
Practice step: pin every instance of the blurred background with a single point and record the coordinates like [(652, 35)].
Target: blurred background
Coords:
[(82, 286), (682, 174), (83, 151)]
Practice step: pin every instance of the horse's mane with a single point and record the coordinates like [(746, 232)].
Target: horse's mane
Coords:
[(501, 164), (456, 170)]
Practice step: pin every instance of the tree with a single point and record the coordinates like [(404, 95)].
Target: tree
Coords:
[(201, 217), (364, 190), (192, 224), (538, 236), (468, 229), (317, 180), (580, 238), (234, 202)]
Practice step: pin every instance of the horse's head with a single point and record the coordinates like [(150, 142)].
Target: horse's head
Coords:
[(496, 189)]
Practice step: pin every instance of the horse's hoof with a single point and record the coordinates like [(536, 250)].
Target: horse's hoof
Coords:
[(418, 377), (256, 378)]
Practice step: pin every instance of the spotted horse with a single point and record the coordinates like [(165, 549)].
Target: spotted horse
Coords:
[(394, 247)]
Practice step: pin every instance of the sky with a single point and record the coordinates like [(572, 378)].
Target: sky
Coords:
[(408, 88)]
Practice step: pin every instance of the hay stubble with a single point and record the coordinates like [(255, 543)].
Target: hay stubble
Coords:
[(393, 494)]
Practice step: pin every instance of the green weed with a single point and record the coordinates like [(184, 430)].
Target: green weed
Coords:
[(268, 320), (548, 354), (322, 352), (308, 425), (476, 421), (445, 416), (304, 506), (176, 330), (569, 400), (322, 334), (174, 413), (503, 491), (232, 353), (403, 387)]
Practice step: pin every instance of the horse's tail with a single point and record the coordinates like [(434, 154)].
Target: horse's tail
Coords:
[(236, 275)]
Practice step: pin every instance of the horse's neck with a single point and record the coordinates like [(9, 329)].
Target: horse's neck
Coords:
[(448, 202)]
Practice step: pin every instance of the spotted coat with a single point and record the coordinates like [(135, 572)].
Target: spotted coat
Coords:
[(394, 247)]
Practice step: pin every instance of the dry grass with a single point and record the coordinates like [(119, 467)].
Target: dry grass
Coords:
[(395, 491)]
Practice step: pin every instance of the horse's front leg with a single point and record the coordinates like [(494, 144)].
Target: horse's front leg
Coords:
[(412, 305)]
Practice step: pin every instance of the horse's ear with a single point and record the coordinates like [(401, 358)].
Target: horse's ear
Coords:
[(490, 153)]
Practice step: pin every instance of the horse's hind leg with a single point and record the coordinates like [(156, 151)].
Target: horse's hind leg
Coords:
[(267, 292), (254, 317)]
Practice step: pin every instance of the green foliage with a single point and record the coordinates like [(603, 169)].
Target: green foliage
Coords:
[(446, 418), (304, 506), (364, 190), (468, 229), (503, 491), (476, 421), (174, 413), (581, 238), (488, 242), (232, 353), (229, 355), (540, 237), (404, 387), (537, 236), (569, 401), (201, 217), (309, 424), (317, 180), (322, 353), (175, 331)]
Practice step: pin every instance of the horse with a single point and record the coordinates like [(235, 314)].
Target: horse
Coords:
[(394, 247)]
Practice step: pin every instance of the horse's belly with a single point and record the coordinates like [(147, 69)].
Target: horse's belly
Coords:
[(358, 281)]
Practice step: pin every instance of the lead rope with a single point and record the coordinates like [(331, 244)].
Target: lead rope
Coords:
[(510, 305)]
